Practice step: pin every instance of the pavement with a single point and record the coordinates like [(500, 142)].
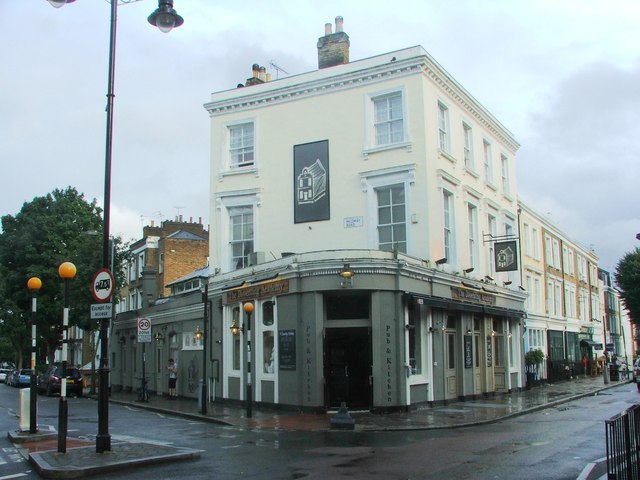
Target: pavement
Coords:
[(81, 459)]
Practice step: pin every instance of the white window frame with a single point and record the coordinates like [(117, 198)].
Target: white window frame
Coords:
[(190, 342), (260, 330), (449, 250), (472, 218), (239, 151), (227, 164), (224, 202), (393, 223), (536, 243), (371, 139), (492, 227), (506, 181), (371, 181), (469, 161), (488, 161), (444, 141)]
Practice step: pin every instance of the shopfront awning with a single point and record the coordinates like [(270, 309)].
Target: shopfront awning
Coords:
[(590, 343)]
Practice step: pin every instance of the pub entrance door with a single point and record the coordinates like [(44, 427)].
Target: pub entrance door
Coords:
[(347, 368)]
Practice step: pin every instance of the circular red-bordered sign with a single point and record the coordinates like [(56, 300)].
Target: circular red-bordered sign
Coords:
[(102, 285)]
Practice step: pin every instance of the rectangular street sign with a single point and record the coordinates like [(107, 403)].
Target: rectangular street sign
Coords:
[(101, 310)]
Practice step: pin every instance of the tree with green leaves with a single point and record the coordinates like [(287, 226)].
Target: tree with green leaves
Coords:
[(627, 277), (58, 227)]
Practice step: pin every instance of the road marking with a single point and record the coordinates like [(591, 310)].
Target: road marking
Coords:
[(16, 475)]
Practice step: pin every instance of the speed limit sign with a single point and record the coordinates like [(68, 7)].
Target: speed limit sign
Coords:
[(144, 330)]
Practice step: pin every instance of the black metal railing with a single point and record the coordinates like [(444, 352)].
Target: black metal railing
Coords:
[(623, 445)]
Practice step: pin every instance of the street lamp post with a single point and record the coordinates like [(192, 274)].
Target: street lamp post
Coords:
[(33, 284), (205, 301), (248, 309), (67, 271), (165, 18)]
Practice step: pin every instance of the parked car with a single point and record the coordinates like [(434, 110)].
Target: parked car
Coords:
[(49, 382), (3, 374), (11, 378), (23, 378)]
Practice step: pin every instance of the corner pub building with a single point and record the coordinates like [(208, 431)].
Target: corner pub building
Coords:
[(379, 331), (358, 208)]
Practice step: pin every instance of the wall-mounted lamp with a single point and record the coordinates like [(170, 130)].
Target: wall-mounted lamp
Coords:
[(122, 340), (198, 333), (488, 278), (235, 328), (158, 337), (493, 333), (347, 276), (469, 332), (442, 261), (507, 283), (468, 270), (510, 335)]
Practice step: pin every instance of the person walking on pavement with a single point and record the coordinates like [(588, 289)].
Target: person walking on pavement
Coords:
[(173, 378)]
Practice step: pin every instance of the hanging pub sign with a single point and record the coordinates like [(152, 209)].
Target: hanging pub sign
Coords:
[(506, 256), (311, 182)]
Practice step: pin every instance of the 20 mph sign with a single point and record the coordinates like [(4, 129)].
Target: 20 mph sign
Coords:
[(102, 285), (144, 330)]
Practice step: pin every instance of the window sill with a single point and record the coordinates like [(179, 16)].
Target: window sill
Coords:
[(237, 171), (447, 155), (471, 172), (507, 196), (491, 185), (383, 148)]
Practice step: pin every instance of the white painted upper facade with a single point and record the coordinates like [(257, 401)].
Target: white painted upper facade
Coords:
[(415, 163)]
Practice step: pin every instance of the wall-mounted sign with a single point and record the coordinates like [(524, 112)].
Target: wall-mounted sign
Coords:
[(287, 349), (475, 296), (311, 182), (352, 222), (506, 256), (489, 351), (256, 292), (468, 351)]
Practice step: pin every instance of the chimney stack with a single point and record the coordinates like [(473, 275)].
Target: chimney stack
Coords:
[(333, 48)]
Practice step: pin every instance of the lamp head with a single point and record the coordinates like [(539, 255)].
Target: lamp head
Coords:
[(67, 271), (346, 272), (165, 17), (60, 3), (248, 308), (34, 284)]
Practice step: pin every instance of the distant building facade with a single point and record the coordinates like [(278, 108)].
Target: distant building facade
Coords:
[(563, 302)]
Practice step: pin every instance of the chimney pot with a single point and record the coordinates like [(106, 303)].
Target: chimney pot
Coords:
[(333, 48)]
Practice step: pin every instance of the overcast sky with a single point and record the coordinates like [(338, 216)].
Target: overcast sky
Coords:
[(563, 76)]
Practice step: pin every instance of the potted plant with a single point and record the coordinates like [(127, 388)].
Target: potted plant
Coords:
[(532, 360)]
